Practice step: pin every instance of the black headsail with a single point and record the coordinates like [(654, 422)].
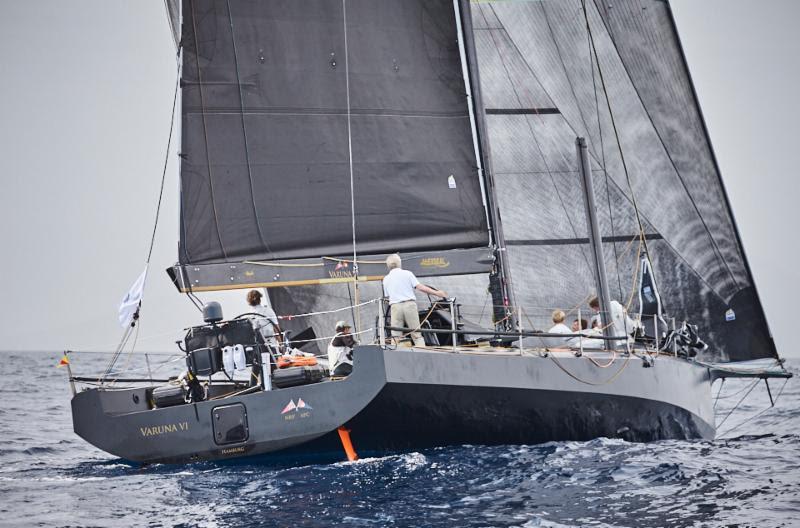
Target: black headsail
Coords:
[(544, 79), (287, 106)]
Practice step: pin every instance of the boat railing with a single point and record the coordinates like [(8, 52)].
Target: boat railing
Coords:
[(532, 322)]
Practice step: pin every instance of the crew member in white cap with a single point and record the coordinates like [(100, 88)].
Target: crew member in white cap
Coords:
[(399, 286)]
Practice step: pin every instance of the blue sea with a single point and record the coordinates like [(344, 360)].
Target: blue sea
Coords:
[(749, 476)]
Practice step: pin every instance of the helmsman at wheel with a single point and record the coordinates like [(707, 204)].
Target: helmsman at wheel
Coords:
[(400, 287)]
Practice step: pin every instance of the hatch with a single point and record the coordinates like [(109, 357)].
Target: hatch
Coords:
[(230, 424)]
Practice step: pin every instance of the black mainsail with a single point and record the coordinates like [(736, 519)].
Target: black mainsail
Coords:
[(325, 129)]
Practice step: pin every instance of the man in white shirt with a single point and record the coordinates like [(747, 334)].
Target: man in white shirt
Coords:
[(621, 323), (400, 287)]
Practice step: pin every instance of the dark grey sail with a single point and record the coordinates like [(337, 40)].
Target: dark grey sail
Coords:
[(305, 134), (542, 87)]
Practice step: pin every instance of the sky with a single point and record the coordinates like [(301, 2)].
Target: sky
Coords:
[(85, 101)]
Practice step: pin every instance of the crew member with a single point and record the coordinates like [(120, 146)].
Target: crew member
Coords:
[(340, 350), (267, 322), (621, 323), (558, 324), (399, 286)]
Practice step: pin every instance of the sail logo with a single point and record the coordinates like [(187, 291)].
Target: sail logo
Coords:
[(296, 410), (340, 270), (434, 262)]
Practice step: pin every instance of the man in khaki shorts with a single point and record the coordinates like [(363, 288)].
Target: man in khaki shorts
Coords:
[(399, 286)]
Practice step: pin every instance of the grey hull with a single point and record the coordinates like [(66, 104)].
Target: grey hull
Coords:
[(403, 399)]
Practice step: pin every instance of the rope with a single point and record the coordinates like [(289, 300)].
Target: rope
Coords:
[(576, 378), (419, 326), (616, 137), (610, 362), (328, 338), (671, 160), (309, 314)]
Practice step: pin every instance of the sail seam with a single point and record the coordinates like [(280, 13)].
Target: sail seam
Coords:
[(244, 132), (571, 241), (293, 111), (205, 134)]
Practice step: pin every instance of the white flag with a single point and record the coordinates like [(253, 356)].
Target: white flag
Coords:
[(131, 301)]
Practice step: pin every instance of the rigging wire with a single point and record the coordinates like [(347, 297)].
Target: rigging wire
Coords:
[(669, 157), (728, 431), (135, 323), (739, 402), (616, 136), (592, 57), (357, 321)]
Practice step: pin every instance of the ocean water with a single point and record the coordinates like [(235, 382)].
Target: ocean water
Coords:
[(748, 477)]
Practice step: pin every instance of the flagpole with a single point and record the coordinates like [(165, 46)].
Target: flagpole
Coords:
[(69, 373)]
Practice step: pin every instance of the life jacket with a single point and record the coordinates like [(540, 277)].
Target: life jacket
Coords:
[(296, 361)]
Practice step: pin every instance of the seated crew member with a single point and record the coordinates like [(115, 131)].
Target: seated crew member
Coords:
[(267, 324), (400, 286), (581, 326), (621, 323), (340, 350), (558, 327), (558, 323)]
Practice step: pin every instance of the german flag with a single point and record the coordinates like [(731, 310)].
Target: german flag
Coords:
[(64, 361)]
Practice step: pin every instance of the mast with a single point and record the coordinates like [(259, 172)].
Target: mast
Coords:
[(594, 235), (469, 63)]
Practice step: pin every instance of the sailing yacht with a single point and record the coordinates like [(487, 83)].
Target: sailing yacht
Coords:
[(522, 155)]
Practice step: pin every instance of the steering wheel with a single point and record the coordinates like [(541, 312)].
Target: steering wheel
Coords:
[(248, 314)]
